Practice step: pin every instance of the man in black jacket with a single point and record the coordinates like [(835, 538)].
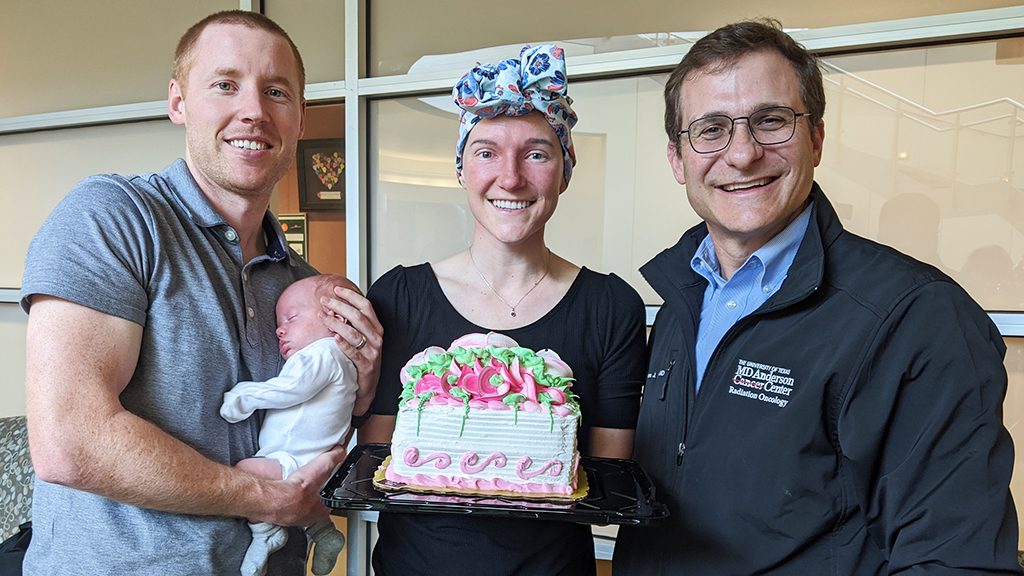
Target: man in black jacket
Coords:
[(816, 403)]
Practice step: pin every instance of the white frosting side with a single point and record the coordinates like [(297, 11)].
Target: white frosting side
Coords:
[(495, 450)]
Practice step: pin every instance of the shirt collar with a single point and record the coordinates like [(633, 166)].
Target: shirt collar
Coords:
[(203, 213), (778, 253), (775, 256), (705, 262), (185, 188), (276, 242)]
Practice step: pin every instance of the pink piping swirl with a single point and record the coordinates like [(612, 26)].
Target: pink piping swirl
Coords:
[(553, 467), (445, 482), (412, 458), (470, 462)]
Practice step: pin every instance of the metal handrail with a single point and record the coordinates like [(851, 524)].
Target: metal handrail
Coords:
[(904, 100)]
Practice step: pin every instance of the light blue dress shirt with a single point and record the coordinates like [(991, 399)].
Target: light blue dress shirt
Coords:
[(727, 301)]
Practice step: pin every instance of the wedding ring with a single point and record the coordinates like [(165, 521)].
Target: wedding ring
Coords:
[(362, 342)]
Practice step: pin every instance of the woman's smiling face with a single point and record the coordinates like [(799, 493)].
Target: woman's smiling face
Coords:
[(513, 175)]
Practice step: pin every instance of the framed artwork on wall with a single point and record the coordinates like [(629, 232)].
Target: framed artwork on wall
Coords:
[(294, 228), (321, 168)]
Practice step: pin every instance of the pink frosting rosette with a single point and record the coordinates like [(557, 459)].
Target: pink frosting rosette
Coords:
[(484, 382), (431, 382), (521, 379)]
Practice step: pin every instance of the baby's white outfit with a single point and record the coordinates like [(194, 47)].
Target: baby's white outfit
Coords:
[(308, 411)]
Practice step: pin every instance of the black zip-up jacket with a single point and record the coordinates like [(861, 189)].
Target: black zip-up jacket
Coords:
[(851, 425)]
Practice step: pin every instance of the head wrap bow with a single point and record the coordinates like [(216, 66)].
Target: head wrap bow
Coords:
[(515, 88)]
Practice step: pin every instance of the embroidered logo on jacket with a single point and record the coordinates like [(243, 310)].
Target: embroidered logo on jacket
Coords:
[(771, 384)]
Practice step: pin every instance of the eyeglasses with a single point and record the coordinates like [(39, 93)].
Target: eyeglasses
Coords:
[(767, 126)]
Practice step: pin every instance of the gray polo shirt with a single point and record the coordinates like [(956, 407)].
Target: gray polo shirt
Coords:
[(152, 250)]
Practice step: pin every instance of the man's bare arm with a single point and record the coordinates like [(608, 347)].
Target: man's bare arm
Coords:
[(78, 361)]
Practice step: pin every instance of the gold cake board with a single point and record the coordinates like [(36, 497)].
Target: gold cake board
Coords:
[(384, 485)]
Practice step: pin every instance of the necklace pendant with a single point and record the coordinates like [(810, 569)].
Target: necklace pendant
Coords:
[(511, 307)]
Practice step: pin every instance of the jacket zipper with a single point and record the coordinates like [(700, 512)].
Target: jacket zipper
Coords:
[(742, 322), (692, 396), (688, 400), (668, 372), (666, 377)]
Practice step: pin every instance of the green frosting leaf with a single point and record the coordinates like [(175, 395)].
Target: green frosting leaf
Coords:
[(545, 400), (461, 394), (463, 356), (408, 393), (513, 399), (426, 396)]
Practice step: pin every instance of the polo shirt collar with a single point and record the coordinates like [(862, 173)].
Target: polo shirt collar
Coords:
[(192, 199)]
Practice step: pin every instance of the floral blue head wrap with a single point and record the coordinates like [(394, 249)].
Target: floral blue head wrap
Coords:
[(515, 88)]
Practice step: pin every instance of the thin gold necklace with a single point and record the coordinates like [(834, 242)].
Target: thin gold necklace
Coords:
[(511, 307)]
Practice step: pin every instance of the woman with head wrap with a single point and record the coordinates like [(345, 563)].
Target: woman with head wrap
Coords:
[(514, 157)]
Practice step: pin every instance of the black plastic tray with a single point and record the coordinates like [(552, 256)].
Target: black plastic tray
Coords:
[(620, 493)]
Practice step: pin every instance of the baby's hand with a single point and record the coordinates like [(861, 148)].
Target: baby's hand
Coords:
[(232, 409)]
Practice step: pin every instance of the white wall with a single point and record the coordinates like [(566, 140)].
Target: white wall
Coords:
[(12, 364), (37, 170)]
